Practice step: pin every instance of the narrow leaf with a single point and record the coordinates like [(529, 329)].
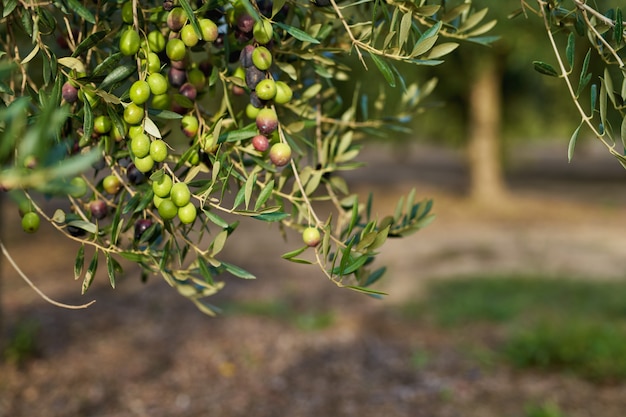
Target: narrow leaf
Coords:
[(113, 267), (570, 50), (238, 271), (271, 217), (89, 42), (297, 33), (91, 272), (545, 68), (294, 253), (384, 69), (572, 143), (79, 264), (77, 7), (192, 17), (119, 74), (264, 195)]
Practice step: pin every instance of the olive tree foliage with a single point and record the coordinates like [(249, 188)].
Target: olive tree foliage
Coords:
[(599, 99), (84, 104)]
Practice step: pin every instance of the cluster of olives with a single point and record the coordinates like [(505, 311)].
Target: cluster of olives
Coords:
[(169, 78), (255, 61)]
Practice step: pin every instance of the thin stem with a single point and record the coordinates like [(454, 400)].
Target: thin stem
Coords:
[(22, 275), (585, 118)]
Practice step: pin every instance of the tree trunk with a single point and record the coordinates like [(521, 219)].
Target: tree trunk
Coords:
[(487, 184)]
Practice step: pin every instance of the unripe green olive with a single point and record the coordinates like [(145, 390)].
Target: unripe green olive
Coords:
[(266, 89), (262, 58), (157, 83), (208, 29), (156, 41), (187, 213), (111, 184), (162, 186), (140, 145), (140, 92), (144, 164), (31, 222), (129, 42), (161, 101), (188, 36), (175, 49), (158, 150), (284, 93), (180, 194), (133, 114), (263, 31), (311, 236), (102, 124)]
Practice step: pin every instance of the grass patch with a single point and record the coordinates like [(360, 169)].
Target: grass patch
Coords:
[(554, 324), (309, 320)]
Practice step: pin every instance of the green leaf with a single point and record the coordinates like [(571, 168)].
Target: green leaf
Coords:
[(108, 64), (570, 50), (192, 17), (164, 114), (237, 135), (239, 198), (205, 270), (618, 28), (91, 272), (77, 7), (602, 101), (9, 6), (87, 123), (219, 242), (405, 28), (113, 267), (249, 187), (294, 253), (584, 77), (384, 69), (215, 219), (271, 217), (264, 195), (86, 226), (133, 256), (572, 143), (116, 223), (545, 68), (297, 33), (375, 276), (119, 74), (238, 271), (89, 42), (367, 291), (623, 133), (79, 264), (593, 96)]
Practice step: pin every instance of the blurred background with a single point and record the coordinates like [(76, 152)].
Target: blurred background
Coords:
[(512, 303)]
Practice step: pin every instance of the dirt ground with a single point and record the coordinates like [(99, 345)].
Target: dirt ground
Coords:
[(142, 350)]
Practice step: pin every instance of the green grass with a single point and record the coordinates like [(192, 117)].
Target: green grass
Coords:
[(554, 324), (309, 320)]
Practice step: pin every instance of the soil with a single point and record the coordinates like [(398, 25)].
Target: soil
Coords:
[(291, 343)]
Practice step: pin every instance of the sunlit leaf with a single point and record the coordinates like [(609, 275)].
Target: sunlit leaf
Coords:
[(572, 143), (91, 272), (79, 263), (297, 33)]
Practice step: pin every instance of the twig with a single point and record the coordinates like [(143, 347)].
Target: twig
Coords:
[(34, 287)]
